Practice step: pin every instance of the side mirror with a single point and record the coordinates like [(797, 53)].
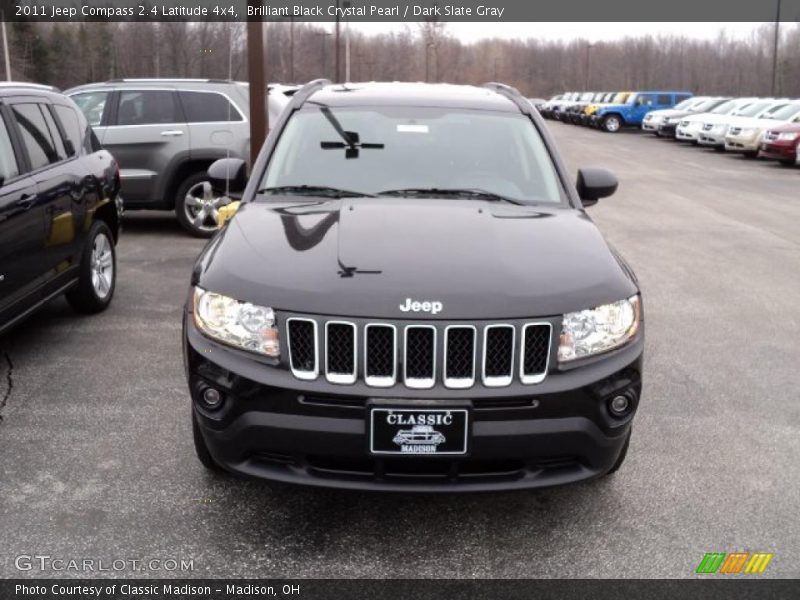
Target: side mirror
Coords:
[(594, 183), (228, 175)]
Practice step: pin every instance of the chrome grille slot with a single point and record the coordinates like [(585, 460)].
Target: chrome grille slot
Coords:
[(303, 351), (420, 356), (498, 355), (459, 356), (535, 352), (380, 355), (340, 352)]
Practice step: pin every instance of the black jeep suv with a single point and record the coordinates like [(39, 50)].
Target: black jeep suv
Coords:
[(59, 205), (411, 296)]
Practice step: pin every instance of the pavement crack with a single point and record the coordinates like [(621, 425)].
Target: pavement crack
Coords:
[(9, 384)]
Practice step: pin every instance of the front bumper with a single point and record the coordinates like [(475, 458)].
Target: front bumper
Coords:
[(712, 138), (688, 133), (742, 143), (652, 126), (779, 150), (274, 426)]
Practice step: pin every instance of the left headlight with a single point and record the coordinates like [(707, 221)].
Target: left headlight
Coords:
[(240, 324), (597, 330)]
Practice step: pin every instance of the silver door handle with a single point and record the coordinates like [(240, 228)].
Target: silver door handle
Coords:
[(172, 133)]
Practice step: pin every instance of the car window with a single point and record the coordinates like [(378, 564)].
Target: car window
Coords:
[(147, 107), (55, 134), (751, 110), (783, 113), (8, 160), (440, 148), (724, 108), (93, 105), (206, 107), (72, 127), (35, 135), (664, 99)]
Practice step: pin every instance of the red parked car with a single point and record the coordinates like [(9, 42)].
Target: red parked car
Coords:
[(781, 143)]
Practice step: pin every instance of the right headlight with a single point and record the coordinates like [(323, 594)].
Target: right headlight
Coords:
[(240, 324), (594, 331)]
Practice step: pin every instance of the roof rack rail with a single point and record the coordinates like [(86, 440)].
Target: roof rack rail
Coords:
[(27, 84), (300, 96), (167, 79), (512, 94)]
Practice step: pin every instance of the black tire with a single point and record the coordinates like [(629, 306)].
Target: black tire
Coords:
[(719, 148), (751, 154), (201, 449), (623, 453), (612, 123), (198, 186), (97, 272), (787, 162)]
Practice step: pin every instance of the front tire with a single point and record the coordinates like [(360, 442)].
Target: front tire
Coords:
[(197, 206), (98, 272), (612, 124)]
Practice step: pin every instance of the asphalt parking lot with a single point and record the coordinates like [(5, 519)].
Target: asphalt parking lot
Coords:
[(96, 457)]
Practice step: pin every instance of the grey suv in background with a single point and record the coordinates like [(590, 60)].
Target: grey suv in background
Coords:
[(166, 132)]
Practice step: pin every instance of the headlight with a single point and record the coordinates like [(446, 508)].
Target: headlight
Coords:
[(589, 332), (241, 324), (788, 136)]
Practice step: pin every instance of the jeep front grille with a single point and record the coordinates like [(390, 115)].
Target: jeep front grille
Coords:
[(418, 355)]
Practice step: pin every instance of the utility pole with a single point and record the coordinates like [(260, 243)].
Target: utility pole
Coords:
[(337, 67), (259, 121), (587, 65), (775, 50), (5, 47), (291, 50), (346, 5)]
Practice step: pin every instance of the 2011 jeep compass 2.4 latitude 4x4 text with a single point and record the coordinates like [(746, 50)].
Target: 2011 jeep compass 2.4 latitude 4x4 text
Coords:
[(411, 297)]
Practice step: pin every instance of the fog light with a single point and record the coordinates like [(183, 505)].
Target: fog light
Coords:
[(212, 398), (619, 405)]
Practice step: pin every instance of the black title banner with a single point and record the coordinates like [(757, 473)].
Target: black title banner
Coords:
[(385, 589), (712, 11)]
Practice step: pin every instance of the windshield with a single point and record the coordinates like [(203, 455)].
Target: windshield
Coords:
[(724, 108), (685, 104), (783, 113), (372, 150), (706, 105), (751, 110)]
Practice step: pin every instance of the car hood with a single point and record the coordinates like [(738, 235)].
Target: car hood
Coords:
[(666, 113), (750, 122), (365, 257), (780, 127)]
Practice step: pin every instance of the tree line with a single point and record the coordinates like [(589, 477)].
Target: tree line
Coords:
[(69, 54)]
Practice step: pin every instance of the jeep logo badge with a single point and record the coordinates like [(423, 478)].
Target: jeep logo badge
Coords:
[(433, 307)]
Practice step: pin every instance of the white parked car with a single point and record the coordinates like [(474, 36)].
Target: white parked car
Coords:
[(691, 127), (655, 118), (745, 135), (714, 130)]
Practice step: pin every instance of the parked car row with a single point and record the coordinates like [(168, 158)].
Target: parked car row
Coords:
[(610, 111), (755, 127)]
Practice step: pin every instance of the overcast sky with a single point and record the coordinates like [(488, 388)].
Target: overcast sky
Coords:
[(469, 32)]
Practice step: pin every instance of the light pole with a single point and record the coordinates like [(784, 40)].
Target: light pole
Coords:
[(775, 50), (346, 5), (587, 65), (5, 47)]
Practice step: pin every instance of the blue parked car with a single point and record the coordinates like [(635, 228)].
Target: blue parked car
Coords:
[(613, 117)]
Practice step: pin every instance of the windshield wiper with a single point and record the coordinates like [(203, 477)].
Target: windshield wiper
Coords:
[(455, 192), (313, 190)]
